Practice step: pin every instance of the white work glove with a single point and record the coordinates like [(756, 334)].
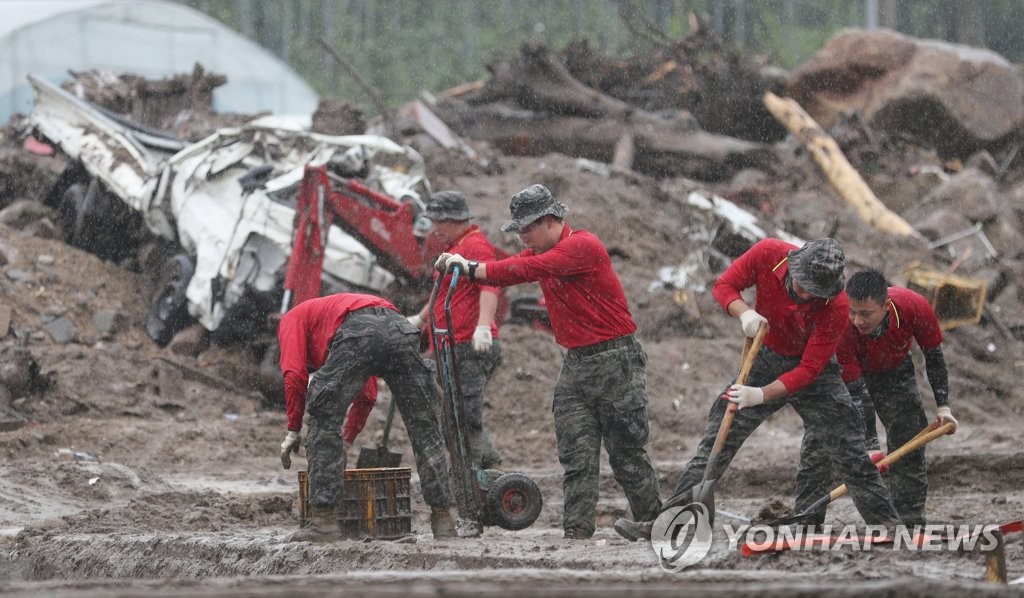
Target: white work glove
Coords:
[(416, 321), (457, 260), (946, 415), (751, 321), (441, 263), (348, 446), (482, 339), (289, 446), (744, 396)]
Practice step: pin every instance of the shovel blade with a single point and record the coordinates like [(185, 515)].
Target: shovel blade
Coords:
[(375, 458), (704, 493)]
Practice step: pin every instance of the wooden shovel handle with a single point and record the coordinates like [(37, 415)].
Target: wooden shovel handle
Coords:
[(750, 348), (916, 443), (927, 435)]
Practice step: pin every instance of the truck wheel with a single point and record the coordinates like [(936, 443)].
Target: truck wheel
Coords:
[(514, 502), (168, 309)]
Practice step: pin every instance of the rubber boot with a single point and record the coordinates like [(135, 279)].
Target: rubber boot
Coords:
[(321, 527), (633, 530), (442, 523)]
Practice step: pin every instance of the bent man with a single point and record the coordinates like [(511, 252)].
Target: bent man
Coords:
[(884, 324), (344, 339)]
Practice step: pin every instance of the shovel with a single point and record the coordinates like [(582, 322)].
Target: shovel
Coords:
[(704, 492), (923, 437), (373, 458)]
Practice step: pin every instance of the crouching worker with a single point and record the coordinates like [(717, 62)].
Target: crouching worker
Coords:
[(343, 340)]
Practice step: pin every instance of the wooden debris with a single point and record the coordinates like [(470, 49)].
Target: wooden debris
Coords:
[(846, 180)]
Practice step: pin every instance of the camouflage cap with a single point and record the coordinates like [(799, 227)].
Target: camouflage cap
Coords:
[(818, 267), (530, 204), (447, 205)]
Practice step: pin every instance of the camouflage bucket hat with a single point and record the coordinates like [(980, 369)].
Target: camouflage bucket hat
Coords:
[(530, 204), (447, 205), (818, 267)]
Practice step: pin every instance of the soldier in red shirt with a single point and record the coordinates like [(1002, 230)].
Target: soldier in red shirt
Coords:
[(343, 340), (474, 305), (884, 324), (800, 294), (600, 395)]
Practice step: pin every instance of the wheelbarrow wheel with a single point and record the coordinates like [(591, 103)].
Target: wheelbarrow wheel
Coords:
[(514, 502)]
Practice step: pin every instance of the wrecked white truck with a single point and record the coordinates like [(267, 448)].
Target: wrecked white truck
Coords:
[(212, 220)]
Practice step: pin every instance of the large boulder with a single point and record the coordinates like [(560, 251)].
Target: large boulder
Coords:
[(957, 98)]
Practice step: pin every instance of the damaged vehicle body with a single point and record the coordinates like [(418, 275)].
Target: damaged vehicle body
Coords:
[(214, 220)]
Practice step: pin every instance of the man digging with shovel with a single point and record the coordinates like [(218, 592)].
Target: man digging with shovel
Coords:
[(885, 322), (800, 296)]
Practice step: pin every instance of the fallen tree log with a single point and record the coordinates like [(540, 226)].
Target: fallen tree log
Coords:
[(846, 180), (538, 82), (533, 105), (658, 147)]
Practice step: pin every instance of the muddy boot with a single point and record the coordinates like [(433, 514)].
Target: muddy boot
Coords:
[(321, 527), (469, 528), (442, 523), (633, 530), (577, 533)]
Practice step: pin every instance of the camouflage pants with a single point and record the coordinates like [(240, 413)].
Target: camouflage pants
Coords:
[(602, 396), (475, 370), (374, 342), (825, 408), (897, 401)]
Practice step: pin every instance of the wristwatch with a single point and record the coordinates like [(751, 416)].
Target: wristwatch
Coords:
[(471, 269)]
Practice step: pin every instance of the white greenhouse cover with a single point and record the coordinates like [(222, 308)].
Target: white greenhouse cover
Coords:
[(151, 38)]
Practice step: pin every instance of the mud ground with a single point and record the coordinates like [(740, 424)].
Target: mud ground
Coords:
[(134, 476)]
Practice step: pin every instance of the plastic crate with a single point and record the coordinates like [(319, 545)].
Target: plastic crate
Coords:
[(957, 300), (375, 503)]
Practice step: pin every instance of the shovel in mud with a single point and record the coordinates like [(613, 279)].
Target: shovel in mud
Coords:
[(373, 458), (923, 437), (704, 492)]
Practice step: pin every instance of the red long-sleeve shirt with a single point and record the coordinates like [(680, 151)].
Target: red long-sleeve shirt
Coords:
[(304, 334), (472, 245), (811, 329), (360, 410), (584, 297), (911, 319)]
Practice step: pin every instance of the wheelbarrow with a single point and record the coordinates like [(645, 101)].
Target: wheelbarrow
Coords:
[(485, 497)]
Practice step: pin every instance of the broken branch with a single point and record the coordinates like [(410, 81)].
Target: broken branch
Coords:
[(370, 91), (846, 180)]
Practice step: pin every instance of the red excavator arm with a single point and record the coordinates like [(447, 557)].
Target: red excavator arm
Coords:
[(382, 224)]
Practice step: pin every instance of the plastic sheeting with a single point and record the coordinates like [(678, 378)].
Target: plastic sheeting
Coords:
[(151, 38)]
